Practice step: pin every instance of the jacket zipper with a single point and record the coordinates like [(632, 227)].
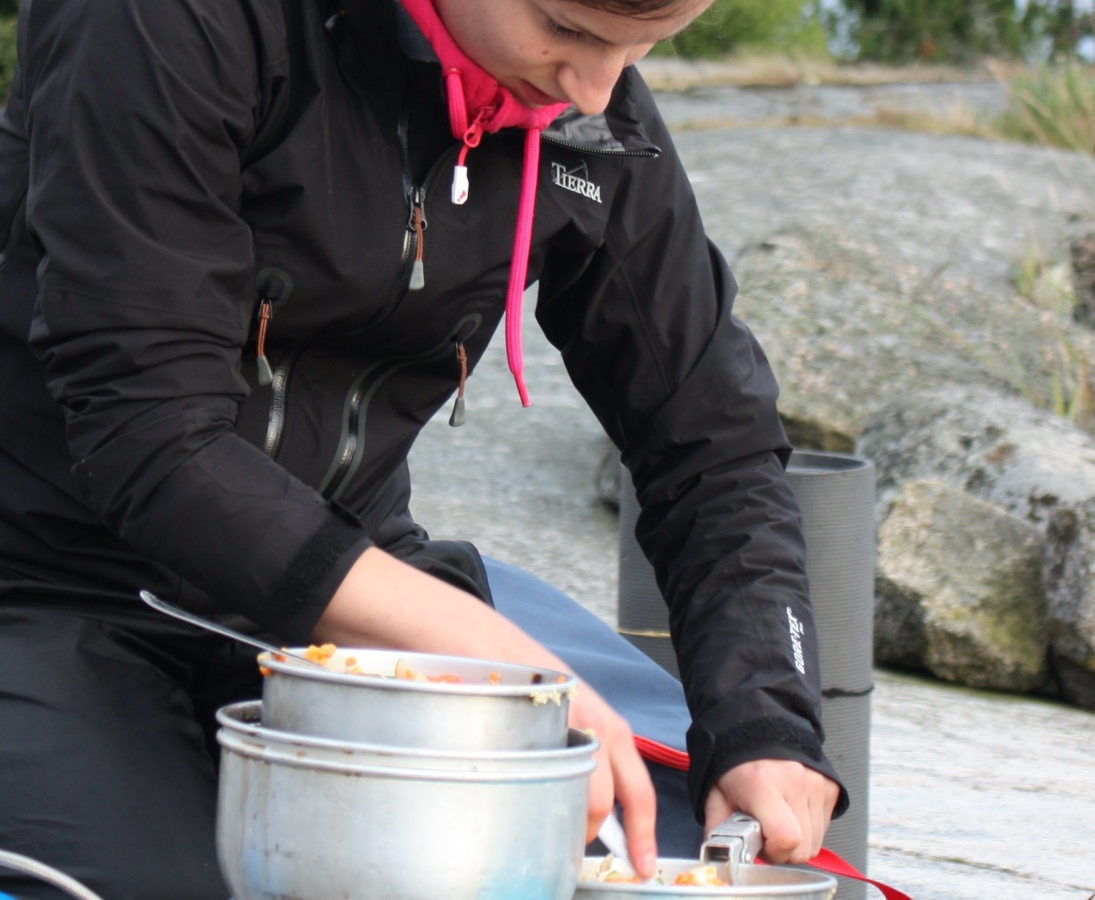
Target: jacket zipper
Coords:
[(279, 394), (414, 244), (416, 225), (597, 151), (348, 457), (274, 289), (414, 247), (456, 419)]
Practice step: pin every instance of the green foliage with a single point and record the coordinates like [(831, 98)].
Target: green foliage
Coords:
[(1052, 105), (1067, 387), (964, 30), (730, 26), (7, 56), (892, 31)]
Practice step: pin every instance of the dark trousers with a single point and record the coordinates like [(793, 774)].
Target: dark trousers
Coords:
[(107, 736)]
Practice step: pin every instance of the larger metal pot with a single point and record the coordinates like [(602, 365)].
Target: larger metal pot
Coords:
[(302, 818), (492, 706)]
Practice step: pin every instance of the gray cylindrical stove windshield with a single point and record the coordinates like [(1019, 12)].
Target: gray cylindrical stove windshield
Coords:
[(836, 493), (641, 613)]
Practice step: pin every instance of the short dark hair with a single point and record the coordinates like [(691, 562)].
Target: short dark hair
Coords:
[(646, 9)]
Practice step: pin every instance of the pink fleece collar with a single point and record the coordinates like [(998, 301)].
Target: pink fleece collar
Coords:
[(481, 90), (477, 104)]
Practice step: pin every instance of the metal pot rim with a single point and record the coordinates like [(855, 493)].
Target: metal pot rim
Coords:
[(241, 729), (534, 770), (798, 881), (554, 686)]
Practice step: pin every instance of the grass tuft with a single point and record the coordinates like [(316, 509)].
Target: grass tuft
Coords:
[(1052, 105)]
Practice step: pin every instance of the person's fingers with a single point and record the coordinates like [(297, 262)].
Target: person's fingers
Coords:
[(818, 822), (781, 828), (792, 802), (823, 799), (716, 809), (751, 788), (602, 791), (635, 794), (620, 777)]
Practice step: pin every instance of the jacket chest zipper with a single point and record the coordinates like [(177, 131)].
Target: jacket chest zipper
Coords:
[(274, 289), (350, 453), (456, 419), (265, 373), (414, 246), (279, 394), (416, 226)]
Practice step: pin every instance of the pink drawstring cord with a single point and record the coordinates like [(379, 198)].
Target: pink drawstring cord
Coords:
[(522, 242), (470, 133), (458, 111)]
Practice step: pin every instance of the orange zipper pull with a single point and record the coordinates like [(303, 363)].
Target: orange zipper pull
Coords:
[(457, 417), (418, 223), (266, 374)]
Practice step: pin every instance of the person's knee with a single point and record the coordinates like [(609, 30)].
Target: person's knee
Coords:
[(126, 878), (109, 780)]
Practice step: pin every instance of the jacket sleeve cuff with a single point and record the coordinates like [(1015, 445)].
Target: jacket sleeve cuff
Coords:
[(714, 754), (301, 595)]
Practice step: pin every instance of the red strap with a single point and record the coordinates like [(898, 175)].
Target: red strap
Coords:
[(826, 860), (661, 753), (830, 862)]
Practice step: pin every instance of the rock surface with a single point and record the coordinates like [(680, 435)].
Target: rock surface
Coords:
[(881, 271), (1025, 462), (959, 591)]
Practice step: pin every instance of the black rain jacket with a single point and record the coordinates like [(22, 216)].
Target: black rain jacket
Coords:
[(171, 171)]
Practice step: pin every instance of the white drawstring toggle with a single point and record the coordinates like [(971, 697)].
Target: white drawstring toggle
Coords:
[(460, 185)]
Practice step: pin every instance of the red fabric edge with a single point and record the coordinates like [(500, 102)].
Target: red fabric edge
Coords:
[(657, 752)]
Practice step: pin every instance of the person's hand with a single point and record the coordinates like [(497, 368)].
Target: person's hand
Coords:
[(792, 802), (383, 602), (621, 777)]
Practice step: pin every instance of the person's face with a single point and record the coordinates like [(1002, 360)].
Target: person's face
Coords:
[(547, 51)]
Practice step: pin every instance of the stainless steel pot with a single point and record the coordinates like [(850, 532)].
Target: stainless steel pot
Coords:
[(495, 706), (732, 848), (753, 882), (302, 818)]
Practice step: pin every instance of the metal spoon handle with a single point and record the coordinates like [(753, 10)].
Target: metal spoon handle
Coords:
[(181, 614), (612, 836)]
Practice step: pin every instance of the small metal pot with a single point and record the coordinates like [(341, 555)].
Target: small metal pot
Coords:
[(302, 818), (495, 706), (732, 847), (750, 882)]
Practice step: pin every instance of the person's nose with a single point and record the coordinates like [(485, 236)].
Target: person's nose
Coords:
[(588, 81)]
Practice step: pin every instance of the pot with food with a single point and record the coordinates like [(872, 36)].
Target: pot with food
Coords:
[(417, 700), (727, 867)]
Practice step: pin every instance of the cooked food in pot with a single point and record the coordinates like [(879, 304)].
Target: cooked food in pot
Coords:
[(700, 876), (327, 655)]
